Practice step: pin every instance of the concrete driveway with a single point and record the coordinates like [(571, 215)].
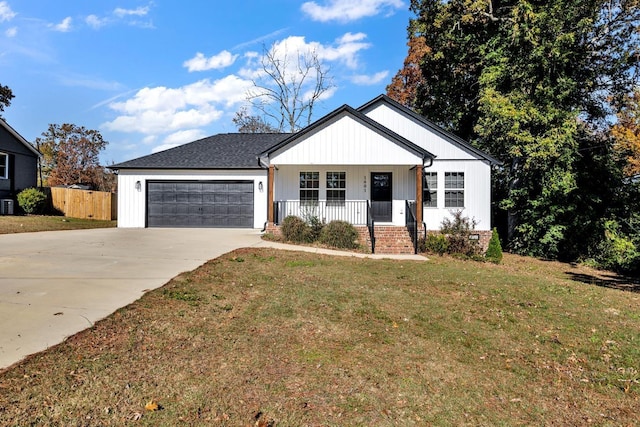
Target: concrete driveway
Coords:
[(55, 284)]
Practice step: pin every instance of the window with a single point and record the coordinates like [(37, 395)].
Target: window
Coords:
[(454, 189), (4, 166), (336, 184), (430, 189), (309, 184)]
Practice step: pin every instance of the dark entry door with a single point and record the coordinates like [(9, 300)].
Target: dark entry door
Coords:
[(381, 196)]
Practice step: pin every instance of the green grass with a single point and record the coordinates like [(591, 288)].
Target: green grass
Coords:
[(29, 223), (305, 339)]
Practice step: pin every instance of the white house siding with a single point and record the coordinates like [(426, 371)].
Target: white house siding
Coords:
[(449, 158), (287, 182), (477, 193), (132, 203), (418, 133), (345, 142)]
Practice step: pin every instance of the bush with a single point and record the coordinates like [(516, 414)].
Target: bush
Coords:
[(31, 200), (458, 231), (494, 251), (339, 234), (294, 229), (436, 244), (617, 251), (315, 228)]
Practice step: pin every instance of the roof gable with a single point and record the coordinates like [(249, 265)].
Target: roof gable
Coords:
[(384, 101), (343, 132), (19, 138)]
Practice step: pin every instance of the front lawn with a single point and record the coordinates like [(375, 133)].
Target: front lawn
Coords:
[(10, 224), (292, 339)]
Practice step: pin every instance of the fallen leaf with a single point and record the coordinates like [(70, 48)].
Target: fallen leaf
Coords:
[(152, 405)]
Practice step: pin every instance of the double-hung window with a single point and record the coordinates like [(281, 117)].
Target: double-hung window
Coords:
[(454, 189), (4, 166), (430, 190), (309, 188), (336, 188)]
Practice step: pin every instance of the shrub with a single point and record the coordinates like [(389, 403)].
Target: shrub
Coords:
[(294, 229), (458, 231), (315, 228), (617, 251), (436, 244), (339, 234), (31, 200), (494, 251)]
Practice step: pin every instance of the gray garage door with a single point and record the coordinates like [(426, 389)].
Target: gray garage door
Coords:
[(200, 204)]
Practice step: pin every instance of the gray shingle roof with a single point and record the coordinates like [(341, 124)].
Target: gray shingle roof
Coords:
[(222, 151)]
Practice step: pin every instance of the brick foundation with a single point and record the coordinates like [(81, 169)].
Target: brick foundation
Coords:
[(392, 239)]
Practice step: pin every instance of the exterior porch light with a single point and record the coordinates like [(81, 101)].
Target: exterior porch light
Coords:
[(138, 186), (260, 186)]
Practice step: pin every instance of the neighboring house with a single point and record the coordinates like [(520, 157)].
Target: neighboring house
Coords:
[(18, 165), (370, 166)]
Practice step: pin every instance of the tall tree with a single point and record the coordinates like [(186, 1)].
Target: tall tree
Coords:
[(288, 86), (70, 156), (6, 95), (627, 133), (531, 82), (246, 123)]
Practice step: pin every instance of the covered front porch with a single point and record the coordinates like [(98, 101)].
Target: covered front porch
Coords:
[(379, 199)]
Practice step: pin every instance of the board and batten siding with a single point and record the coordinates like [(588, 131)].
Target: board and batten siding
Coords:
[(477, 193), (418, 133), (358, 185), (345, 142), (132, 203)]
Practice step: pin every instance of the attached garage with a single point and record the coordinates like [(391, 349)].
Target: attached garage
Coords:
[(213, 182), (200, 204)]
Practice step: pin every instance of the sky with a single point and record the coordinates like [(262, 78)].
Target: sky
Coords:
[(153, 74)]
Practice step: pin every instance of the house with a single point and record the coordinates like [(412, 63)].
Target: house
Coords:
[(18, 166), (371, 166)]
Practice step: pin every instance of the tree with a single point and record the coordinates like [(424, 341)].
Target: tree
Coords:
[(532, 83), (247, 123), (406, 84), (287, 88), (6, 95), (627, 133), (70, 156)]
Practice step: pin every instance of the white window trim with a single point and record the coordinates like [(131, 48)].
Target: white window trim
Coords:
[(436, 190), (460, 190)]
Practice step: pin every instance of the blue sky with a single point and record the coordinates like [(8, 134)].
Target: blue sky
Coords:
[(153, 74)]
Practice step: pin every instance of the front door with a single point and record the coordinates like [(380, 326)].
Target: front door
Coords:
[(381, 196)]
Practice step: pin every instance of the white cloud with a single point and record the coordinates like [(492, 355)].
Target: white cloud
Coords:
[(160, 110), (349, 10), (140, 11), (184, 136), (215, 62), (6, 14), (179, 138), (367, 80), (64, 26), (11, 32), (95, 22)]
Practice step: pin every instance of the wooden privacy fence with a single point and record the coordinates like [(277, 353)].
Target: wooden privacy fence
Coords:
[(85, 203)]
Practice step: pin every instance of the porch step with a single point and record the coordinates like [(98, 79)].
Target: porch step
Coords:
[(393, 240)]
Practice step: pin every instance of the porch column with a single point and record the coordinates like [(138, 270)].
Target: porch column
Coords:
[(419, 194), (270, 185)]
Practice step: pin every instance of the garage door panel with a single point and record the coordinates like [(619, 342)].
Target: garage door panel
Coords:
[(200, 204)]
